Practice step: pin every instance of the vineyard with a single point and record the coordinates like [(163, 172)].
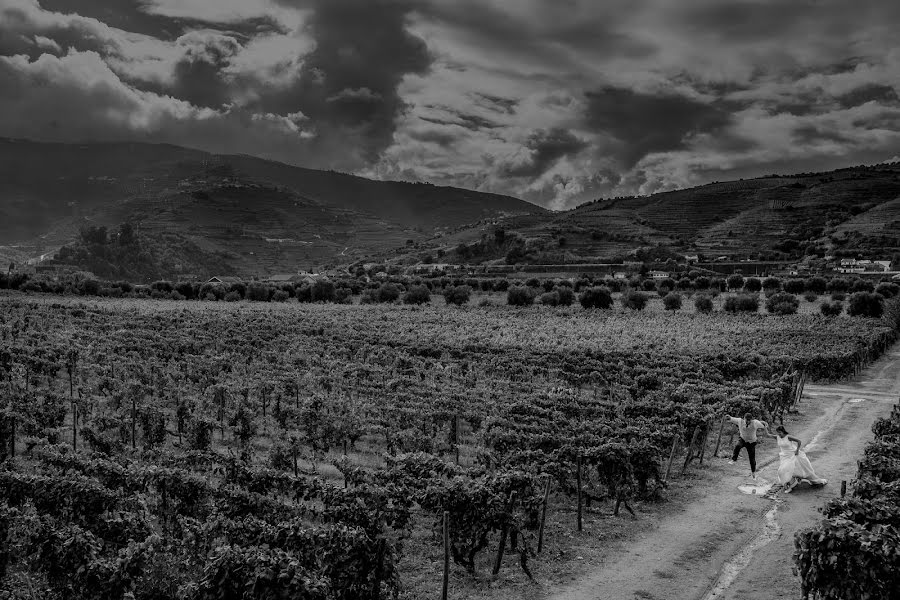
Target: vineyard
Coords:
[(163, 449), (853, 553)]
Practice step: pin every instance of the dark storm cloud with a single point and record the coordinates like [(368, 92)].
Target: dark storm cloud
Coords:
[(645, 123), (497, 103), (348, 86), (470, 122), (198, 75), (875, 92), (544, 148), (132, 15), (552, 100)]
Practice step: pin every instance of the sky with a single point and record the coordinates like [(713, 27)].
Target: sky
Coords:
[(553, 101)]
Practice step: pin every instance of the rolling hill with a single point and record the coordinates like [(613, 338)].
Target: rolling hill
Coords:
[(853, 210), (254, 215)]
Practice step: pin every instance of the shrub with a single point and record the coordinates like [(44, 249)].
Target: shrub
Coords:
[(782, 303), (888, 290), (89, 287), (866, 304), (322, 290), (665, 285), (672, 301), (566, 295), (259, 292), (717, 284), (343, 295), (837, 285), (741, 303), (685, 283), (794, 286), (162, 286), (186, 289), (596, 297), (520, 296), (817, 285), (417, 294), (388, 292), (549, 299), (752, 284), (810, 296), (703, 303), (240, 287), (862, 285), (501, 285), (232, 296), (458, 295), (839, 296), (735, 282), (649, 285), (280, 296), (303, 292), (831, 309), (771, 283), (701, 283), (635, 300)]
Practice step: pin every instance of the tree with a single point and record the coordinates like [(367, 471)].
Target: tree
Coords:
[(549, 299), (794, 286), (458, 295), (831, 309), (672, 301), (735, 281), (866, 304), (741, 303), (635, 300), (520, 296), (817, 285), (417, 294), (322, 290), (703, 303), (126, 234), (782, 303), (752, 284), (566, 295), (596, 297)]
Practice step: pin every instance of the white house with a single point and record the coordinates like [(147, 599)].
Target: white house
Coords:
[(658, 274)]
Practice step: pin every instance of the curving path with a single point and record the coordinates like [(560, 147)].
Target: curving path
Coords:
[(731, 543)]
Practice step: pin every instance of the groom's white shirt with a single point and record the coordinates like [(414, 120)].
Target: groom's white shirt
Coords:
[(748, 433)]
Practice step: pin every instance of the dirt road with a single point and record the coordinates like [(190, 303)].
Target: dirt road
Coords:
[(731, 541)]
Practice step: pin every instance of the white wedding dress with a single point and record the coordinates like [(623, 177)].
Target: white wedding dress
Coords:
[(792, 465)]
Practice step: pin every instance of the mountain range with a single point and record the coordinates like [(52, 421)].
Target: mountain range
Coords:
[(199, 214)]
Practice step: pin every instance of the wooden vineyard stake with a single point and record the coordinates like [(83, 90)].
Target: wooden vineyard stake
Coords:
[(671, 457), (578, 485), (446, 582), (703, 443), (133, 422), (74, 426), (719, 439), (540, 545), (690, 451), (504, 532), (843, 489)]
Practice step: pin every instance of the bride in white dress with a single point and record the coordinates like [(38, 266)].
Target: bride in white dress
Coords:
[(794, 466)]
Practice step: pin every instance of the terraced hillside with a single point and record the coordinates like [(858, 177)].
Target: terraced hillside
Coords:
[(841, 209)]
